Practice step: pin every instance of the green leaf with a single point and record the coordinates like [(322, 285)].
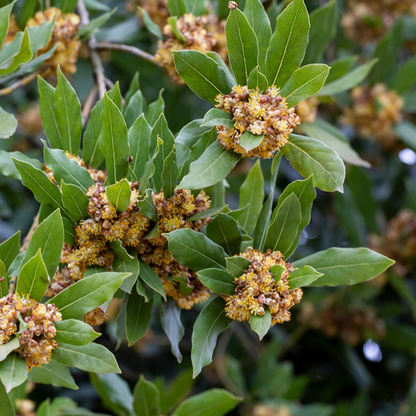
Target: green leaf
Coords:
[(309, 156), (9, 250), (170, 319), (209, 324), (196, 7), (284, 225), (67, 110), (340, 67), (251, 194), (212, 167), (217, 117), (93, 358), (202, 74), (75, 201), (191, 133), (277, 271), (177, 7), (237, 265), (172, 21), (138, 135), (92, 27), (261, 324), (127, 265), (303, 277), (6, 349), (407, 133), (44, 190), (149, 276), (242, 45), (205, 214), (334, 138), (87, 294), (24, 55), (169, 174), (13, 372), (219, 281), (33, 278), (66, 169), (156, 108), (4, 20), (257, 79), (49, 238), (74, 332), (324, 22), (150, 26), (147, 206), (259, 21), (6, 403), (288, 43), (305, 82), (114, 393), (138, 314), (177, 390), (8, 168), (345, 266), (224, 230), (114, 141), (250, 141), (216, 402), (406, 76), (146, 400), (8, 124), (192, 249), (119, 195), (4, 284), (135, 108), (348, 81)]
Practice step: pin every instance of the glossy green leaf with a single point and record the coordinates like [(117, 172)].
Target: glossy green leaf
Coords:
[(6, 403), (13, 371), (75, 201), (169, 174), (9, 250), (257, 79), (24, 55), (114, 141), (219, 281), (8, 168), (33, 278), (303, 277), (216, 402), (149, 276), (288, 43), (196, 7), (93, 358), (340, 67), (348, 81), (209, 324), (49, 238), (277, 271), (261, 324), (146, 400), (309, 156), (250, 141), (119, 194), (74, 332), (135, 108), (130, 265), (202, 74), (242, 45), (191, 133), (138, 314), (150, 25), (177, 7), (237, 265), (345, 266), (212, 167), (4, 284), (407, 133), (4, 20), (217, 117), (192, 249), (156, 108), (304, 83), (138, 135), (147, 206), (170, 319), (92, 27), (8, 347), (212, 212), (406, 76), (172, 21), (8, 124), (224, 230), (87, 294)]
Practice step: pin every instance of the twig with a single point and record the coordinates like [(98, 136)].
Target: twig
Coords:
[(95, 57), (126, 48), (109, 83), (19, 84), (89, 103)]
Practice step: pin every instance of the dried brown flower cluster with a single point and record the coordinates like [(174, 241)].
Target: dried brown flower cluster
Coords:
[(156, 9), (307, 110), (263, 410), (367, 20), (64, 32), (37, 337), (399, 242), (25, 408), (203, 33), (96, 317), (259, 113), (374, 112), (179, 282), (354, 324), (12, 30), (257, 289)]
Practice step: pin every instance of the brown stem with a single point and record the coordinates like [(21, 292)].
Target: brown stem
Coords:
[(19, 84), (89, 103), (126, 48)]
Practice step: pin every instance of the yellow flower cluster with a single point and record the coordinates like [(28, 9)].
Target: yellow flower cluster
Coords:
[(203, 33), (353, 323), (157, 10), (37, 340), (64, 32), (61, 280), (374, 112), (307, 110), (25, 408), (259, 113), (368, 20), (12, 30), (263, 410), (96, 317), (257, 288), (179, 282)]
